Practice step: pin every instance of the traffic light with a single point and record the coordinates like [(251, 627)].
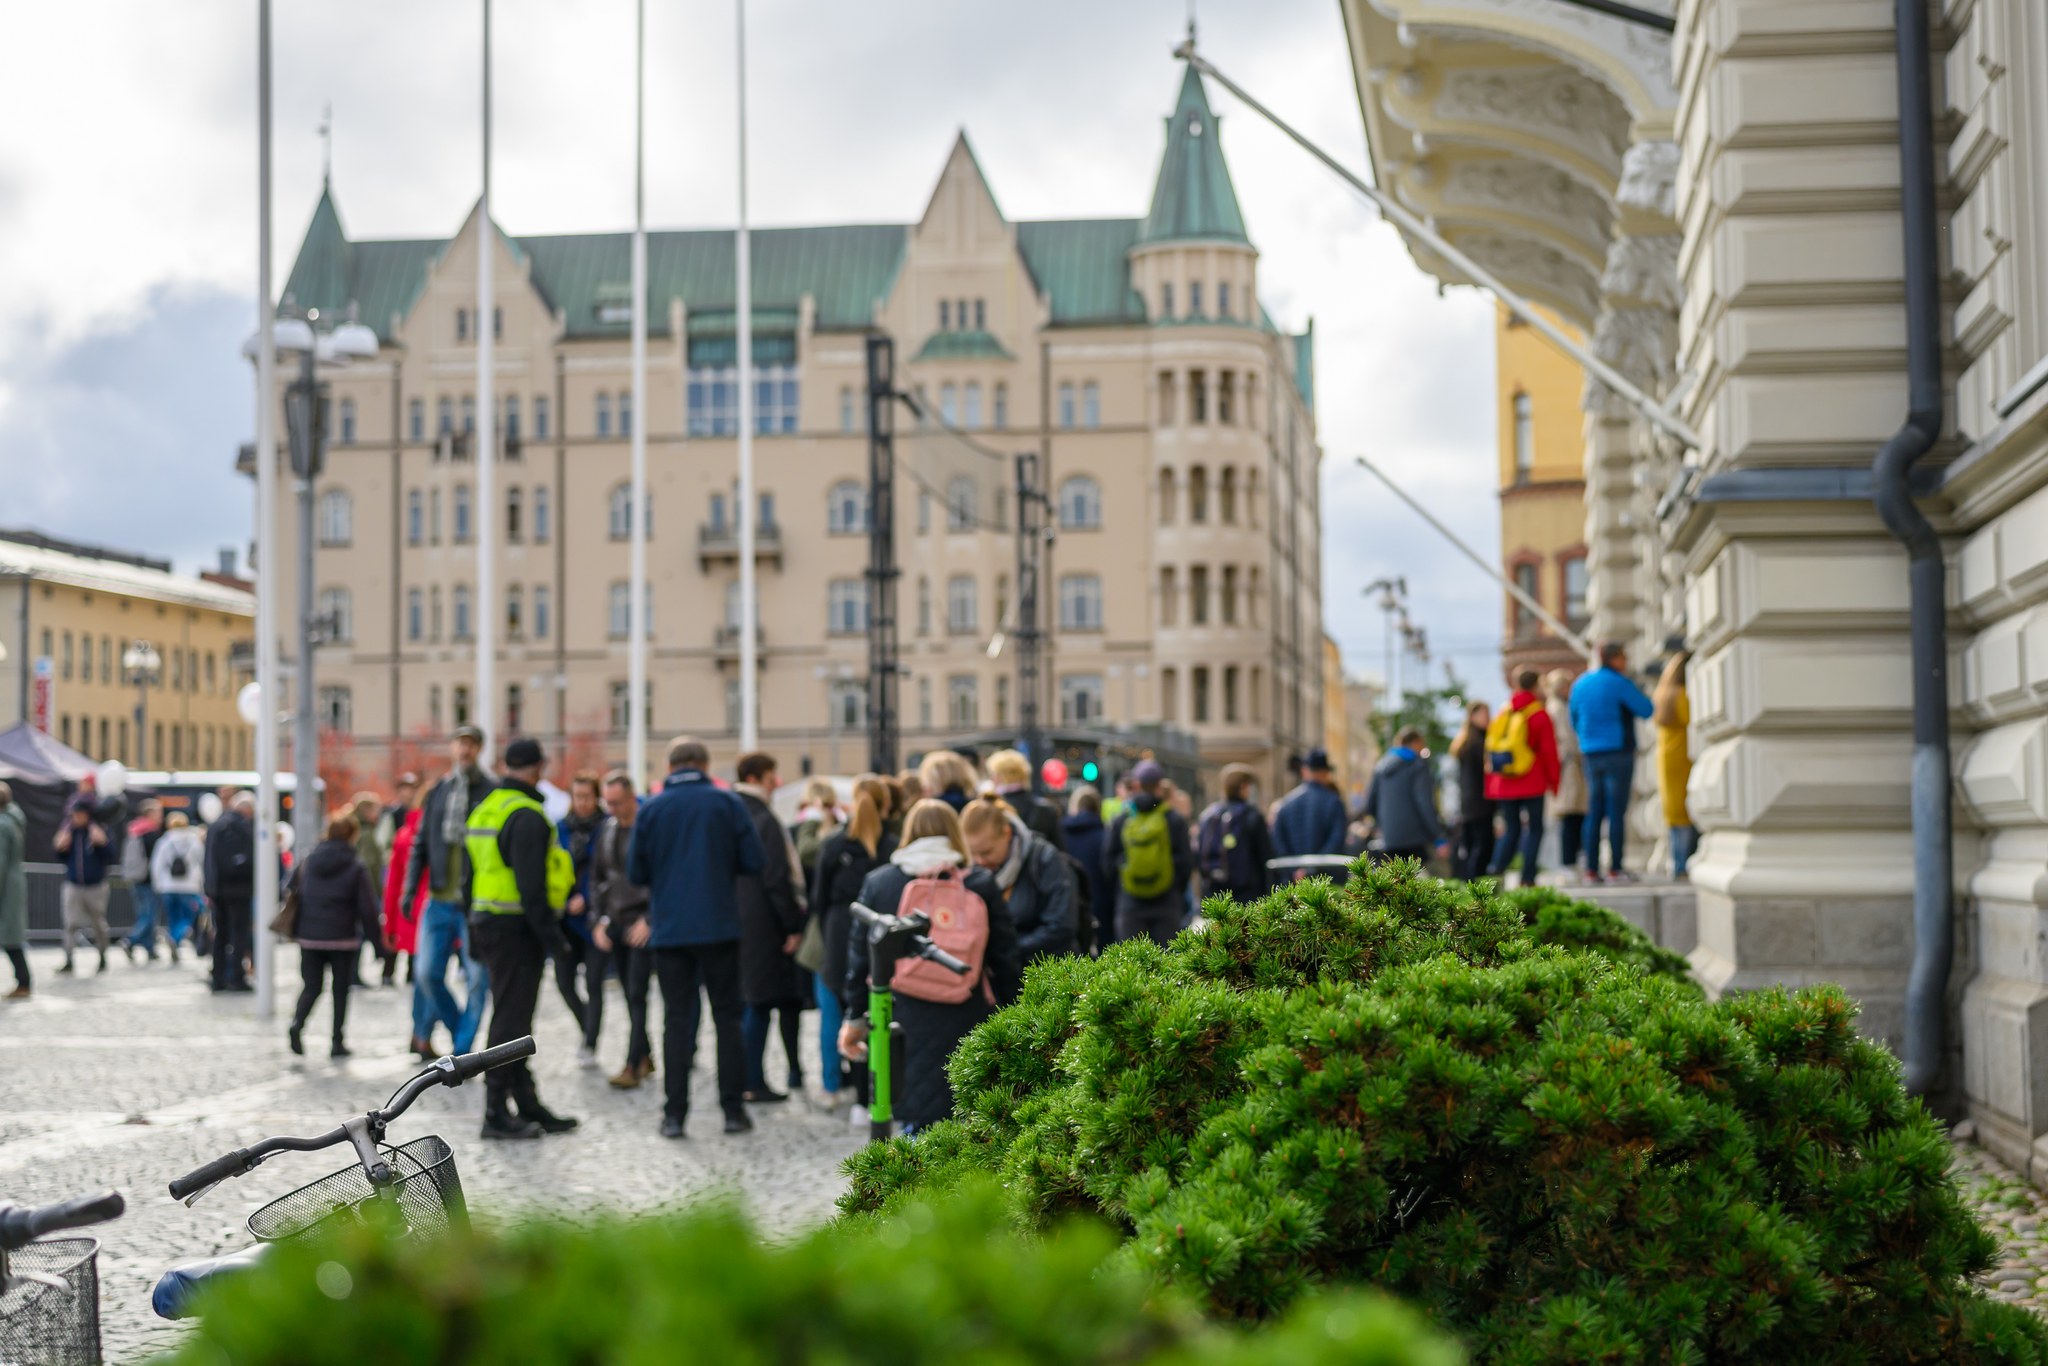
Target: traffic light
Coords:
[(1090, 772)]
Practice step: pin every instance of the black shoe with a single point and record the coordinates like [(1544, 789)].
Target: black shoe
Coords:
[(240, 986), (291, 1036), (736, 1122), (671, 1127), (340, 1050), (103, 963), (67, 968), (549, 1121), (507, 1126), (128, 949), (763, 1097)]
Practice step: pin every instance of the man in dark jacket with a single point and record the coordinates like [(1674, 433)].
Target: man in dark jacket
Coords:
[(1312, 818), (439, 861), (517, 928), (690, 846), (230, 880), (83, 844), (1402, 799), (1133, 862), (339, 911), (621, 927), (1232, 844), (771, 910), (1086, 839)]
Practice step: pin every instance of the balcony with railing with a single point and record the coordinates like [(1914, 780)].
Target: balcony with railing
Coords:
[(719, 543)]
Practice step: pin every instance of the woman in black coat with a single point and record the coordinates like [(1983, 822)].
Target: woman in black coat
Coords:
[(339, 911), (1474, 849), (771, 915), (921, 1094), (845, 859), (1085, 833)]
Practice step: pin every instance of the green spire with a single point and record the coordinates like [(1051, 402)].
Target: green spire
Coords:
[(320, 276), (1194, 197)]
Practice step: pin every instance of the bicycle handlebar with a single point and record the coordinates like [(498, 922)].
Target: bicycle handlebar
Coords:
[(471, 1064), (21, 1225)]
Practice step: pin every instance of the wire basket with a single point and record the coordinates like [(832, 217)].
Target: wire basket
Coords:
[(46, 1324), (429, 1197)]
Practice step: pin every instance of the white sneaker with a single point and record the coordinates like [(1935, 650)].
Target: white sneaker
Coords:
[(858, 1114), (586, 1056)]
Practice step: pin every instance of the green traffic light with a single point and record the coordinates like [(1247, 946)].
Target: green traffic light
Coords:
[(1089, 772)]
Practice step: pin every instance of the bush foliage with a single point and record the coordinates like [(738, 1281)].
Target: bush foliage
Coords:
[(931, 1285), (1507, 1110)]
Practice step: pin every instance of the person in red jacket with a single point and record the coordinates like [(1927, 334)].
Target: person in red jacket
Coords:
[(402, 919), (1521, 769)]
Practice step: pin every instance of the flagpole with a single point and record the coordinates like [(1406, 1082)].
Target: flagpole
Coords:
[(750, 723), (484, 518), (636, 631), (269, 563)]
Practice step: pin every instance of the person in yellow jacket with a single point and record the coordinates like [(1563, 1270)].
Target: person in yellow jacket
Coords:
[(518, 888), (1672, 713)]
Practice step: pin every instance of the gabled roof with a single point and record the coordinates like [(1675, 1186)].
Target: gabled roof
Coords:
[(1193, 198)]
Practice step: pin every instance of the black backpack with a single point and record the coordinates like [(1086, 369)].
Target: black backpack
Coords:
[(1221, 852), (1084, 904)]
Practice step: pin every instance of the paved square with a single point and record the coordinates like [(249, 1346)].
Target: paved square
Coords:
[(135, 1077)]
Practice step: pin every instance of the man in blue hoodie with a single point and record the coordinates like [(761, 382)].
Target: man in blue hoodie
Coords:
[(690, 846), (1604, 707)]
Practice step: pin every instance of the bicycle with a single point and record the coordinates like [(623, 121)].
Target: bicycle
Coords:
[(891, 939), (411, 1189), (50, 1289)]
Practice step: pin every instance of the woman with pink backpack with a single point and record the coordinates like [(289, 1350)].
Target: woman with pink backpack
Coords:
[(930, 873)]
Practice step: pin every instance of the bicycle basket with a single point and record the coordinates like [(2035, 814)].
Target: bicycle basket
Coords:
[(42, 1323), (429, 1196)]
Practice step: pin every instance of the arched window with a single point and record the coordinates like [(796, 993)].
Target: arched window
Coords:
[(348, 422), (1091, 404), (444, 415), (415, 614), (434, 612), (460, 599), (1080, 504), (1226, 494), (1198, 495), (846, 607), (960, 502), (619, 513), (846, 509), (1230, 595), (1080, 602), (540, 416), (1524, 623), (461, 514), (334, 607), (468, 414), (1198, 595), (1575, 584), (416, 419), (619, 609), (337, 517), (603, 407), (1251, 601)]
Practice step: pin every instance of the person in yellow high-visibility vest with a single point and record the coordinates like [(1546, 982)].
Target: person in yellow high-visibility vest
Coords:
[(518, 888)]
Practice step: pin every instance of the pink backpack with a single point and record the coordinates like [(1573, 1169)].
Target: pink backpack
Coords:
[(959, 926)]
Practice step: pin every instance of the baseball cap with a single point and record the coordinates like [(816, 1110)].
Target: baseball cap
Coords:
[(1147, 773), (524, 753)]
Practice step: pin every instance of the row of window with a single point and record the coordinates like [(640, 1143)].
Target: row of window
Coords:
[(954, 315), (171, 744), (1205, 607), (1077, 503), (1200, 705), (180, 669), (1228, 495), (1197, 301), (1570, 596), (1227, 400)]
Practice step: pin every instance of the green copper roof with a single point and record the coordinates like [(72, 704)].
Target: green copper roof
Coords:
[(1305, 364), (1193, 198), (1083, 266), (962, 346)]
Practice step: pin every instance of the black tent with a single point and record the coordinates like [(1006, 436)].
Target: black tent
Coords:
[(43, 773)]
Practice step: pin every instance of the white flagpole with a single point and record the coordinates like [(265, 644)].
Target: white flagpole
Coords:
[(636, 631), (484, 519), (269, 691), (750, 719)]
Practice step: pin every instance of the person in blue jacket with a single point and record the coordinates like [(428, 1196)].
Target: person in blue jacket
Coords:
[(690, 846), (1312, 818), (1604, 706)]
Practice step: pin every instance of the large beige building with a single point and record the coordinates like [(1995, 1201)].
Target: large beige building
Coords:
[(1178, 422), (72, 612), (1721, 209)]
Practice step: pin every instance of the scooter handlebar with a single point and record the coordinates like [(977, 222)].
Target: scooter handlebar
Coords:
[(931, 952)]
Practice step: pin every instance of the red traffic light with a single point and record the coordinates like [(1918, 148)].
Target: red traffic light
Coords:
[(1054, 772)]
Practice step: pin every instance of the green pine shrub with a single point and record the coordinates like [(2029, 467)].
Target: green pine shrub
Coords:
[(939, 1283), (1562, 1154), (1555, 918)]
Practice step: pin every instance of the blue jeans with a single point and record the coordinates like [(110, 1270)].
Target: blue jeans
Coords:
[(1515, 812), (444, 930), (181, 913), (143, 936), (1685, 842), (1609, 778), (828, 1034)]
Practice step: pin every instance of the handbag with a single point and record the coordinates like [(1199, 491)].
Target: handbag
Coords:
[(285, 924), (810, 954)]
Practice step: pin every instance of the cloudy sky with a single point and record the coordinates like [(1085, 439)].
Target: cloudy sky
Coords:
[(127, 213)]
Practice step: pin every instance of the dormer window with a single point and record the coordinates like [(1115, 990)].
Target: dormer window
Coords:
[(945, 315), (614, 303), (980, 315)]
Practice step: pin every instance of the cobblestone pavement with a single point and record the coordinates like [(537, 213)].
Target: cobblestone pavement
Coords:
[(133, 1078), (2018, 1212)]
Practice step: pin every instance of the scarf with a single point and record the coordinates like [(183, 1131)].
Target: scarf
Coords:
[(796, 864), (1006, 876), (928, 855)]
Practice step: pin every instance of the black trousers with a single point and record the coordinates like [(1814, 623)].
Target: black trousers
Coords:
[(1159, 919), (340, 967), (20, 962), (513, 955), (579, 955), (636, 971), (230, 942), (1473, 854), (683, 972), (1571, 838)]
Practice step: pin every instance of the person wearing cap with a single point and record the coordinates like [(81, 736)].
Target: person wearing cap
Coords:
[(439, 863), (1151, 883), (520, 881), (1312, 818)]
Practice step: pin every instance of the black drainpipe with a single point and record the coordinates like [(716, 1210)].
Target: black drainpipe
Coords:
[(1933, 853)]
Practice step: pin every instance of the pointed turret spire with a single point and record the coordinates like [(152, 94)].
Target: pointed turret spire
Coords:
[(321, 275), (1193, 197)]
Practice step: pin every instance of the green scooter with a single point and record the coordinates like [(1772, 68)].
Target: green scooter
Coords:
[(891, 939)]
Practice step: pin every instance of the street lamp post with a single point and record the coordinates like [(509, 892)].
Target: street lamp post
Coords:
[(141, 662)]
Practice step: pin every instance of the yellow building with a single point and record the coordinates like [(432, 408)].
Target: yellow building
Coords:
[(71, 612), (1542, 492)]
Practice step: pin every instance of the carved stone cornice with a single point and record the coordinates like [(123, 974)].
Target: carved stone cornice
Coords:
[(1631, 59), (1531, 190), (1643, 270), (1557, 103), (1649, 177), (1538, 269)]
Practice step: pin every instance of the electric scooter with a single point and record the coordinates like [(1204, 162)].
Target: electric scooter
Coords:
[(891, 939)]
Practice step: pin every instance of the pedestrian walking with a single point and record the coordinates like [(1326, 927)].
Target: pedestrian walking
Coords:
[(1605, 705), (520, 880), (932, 863), (368, 810), (1311, 818), (581, 966), (229, 880), (1030, 871), (1472, 850), (1401, 800), (1671, 709), (439, 862), (1010, 774), (818, 818), (14, 891), (690, 847), (1521, 770), (1085, 835), (844, 861), (621, 928), (337, 915), (1232, 843), (393, 818), (948, 777), (1148, 856), (1569, 805), (82, 843), (136, 848), (771, 911), (402, 913), (177, 872)]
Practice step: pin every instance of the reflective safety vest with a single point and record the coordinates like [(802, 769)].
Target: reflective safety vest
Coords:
[(493, 889)]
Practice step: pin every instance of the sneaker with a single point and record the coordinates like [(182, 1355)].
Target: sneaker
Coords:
[(830, 1101), (18, 994), (552, 1123), (586, 1056), (340, 1050), (1622, 875), (506, 1126), (1590, 878), (174, 953), (646, 1068), (628, 1078), (736, 1122), (68, 968), (857, 1114), (671, 1127)]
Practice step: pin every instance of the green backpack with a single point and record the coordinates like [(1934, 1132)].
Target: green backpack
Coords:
[(1148, 853)]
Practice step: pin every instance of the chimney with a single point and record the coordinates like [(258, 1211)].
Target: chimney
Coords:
[(227, 562)]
